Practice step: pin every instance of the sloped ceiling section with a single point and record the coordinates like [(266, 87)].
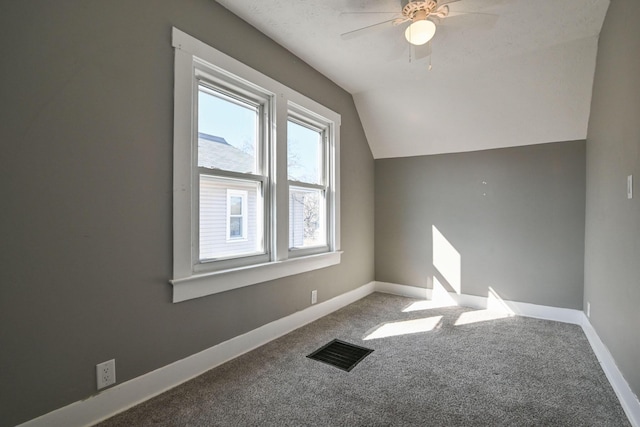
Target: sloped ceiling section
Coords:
[(503, 72)]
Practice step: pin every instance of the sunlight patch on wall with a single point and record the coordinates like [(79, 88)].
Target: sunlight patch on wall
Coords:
[(497, 308), (439, 298), (440, 294), (447, 260), (496, 303), (405, 327)]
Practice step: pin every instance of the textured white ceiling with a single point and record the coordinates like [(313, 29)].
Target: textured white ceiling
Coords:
[(513, 72)]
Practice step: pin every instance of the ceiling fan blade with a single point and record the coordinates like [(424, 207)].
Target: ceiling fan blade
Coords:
[(399, 21), (357, 32), (476, 4), (471, 20), (460, 13), (370, 13), (440, 13)]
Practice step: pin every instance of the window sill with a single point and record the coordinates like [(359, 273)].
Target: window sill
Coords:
[(200, 285)]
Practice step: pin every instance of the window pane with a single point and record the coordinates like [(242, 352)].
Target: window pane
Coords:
[(235, 205), (306, 218), (227, 132), (222, 233), (235, 227), (304, 151)]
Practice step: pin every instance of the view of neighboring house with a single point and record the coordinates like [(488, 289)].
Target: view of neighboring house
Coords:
[(228, 207), (215, 152)]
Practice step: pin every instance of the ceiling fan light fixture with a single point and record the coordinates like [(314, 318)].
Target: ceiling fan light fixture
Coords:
[(420, 32)]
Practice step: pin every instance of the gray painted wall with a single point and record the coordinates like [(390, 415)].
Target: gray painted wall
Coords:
[(612, 242), (86, 107), (521, 233)]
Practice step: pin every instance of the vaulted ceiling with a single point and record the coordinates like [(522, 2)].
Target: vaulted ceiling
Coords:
[(503, 72)]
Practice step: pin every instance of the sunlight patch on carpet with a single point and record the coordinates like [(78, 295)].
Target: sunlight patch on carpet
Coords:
[(405, 327)]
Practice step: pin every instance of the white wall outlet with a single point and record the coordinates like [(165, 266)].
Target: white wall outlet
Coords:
[(630, 187), (106, 373), (588, 309), (314, 296)]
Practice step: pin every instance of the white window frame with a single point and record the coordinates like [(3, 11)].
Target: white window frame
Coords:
[(303, 117), (236, 90), (192, 278), (243, 214)]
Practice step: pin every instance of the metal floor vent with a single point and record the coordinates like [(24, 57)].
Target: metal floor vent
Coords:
[(341, 354)]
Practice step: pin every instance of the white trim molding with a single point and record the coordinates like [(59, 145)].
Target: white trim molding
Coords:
[(219, 281), (133, 392), (558, 314), (128, 394), (628, 399), (403, 290)]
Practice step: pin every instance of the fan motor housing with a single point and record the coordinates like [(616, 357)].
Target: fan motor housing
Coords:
[(411, 7)]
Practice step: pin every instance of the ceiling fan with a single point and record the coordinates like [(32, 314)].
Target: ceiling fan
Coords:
[(421, 29), (423, 15)]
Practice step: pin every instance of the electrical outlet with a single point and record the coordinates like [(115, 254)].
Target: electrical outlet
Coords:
[(314, 296), (588, 309), (106, 373)]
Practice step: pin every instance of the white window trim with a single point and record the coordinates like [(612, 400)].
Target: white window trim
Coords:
[(244, 215), (191, 282), (308, 118)]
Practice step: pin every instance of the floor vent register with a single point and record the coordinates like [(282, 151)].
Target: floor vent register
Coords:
[(341, 354)]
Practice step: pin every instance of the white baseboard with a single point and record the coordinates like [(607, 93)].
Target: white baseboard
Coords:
[(628, 399), (558, 314), (403, 290), (123, 396)]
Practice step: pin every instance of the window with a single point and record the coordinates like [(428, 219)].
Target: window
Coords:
[(306, 160), (236, 215), (232, 173), (256, 176)]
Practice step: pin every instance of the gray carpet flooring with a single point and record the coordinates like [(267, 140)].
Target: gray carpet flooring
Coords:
[(450, 368)]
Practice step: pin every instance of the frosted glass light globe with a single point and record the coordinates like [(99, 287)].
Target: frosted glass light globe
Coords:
[(420, 32)]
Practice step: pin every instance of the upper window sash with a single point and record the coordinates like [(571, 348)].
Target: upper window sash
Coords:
[(302, 128), (236, 94)]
